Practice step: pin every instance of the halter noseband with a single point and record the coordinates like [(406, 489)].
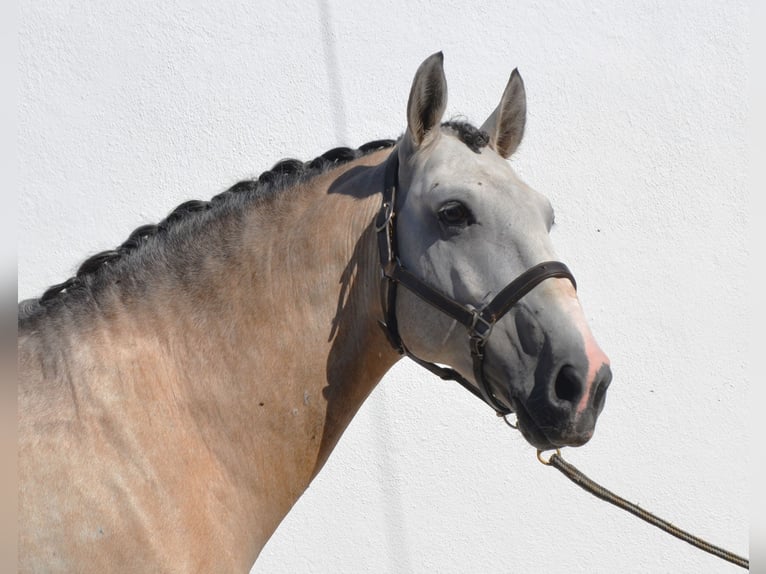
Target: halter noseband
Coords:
[(479, 322)]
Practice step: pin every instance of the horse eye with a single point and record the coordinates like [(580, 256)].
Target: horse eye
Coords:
[(455, 213)]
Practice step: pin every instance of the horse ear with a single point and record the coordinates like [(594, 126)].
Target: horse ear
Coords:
[(428, 98), (505, 125)]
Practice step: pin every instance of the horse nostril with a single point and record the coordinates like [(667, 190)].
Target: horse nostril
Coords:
[(603, 378), (568, 386), (598, 398)]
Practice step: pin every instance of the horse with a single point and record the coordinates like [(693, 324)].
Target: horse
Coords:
[(179, 394)]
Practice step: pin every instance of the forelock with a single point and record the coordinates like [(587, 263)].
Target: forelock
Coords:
[(467, 133)]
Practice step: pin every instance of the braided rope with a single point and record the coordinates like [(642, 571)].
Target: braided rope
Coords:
[(581, 480)]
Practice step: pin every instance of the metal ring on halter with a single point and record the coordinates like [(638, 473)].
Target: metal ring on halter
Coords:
[(388, 210), (546, 462), (509, 423)]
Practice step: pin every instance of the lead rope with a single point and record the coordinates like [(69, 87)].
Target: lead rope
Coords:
[(573, 474)]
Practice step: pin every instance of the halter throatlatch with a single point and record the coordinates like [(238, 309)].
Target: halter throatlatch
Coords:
[(479, 322)]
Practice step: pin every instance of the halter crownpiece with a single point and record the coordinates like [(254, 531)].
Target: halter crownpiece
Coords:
[(479, 322)]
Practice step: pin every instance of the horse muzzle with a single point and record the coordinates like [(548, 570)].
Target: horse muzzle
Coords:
[(563, 410)]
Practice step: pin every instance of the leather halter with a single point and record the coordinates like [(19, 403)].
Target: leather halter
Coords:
[(479, 322)]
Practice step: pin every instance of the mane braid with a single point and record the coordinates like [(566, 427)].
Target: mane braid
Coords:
[(282, 175)]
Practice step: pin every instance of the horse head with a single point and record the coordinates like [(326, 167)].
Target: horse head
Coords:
[(466, 225)]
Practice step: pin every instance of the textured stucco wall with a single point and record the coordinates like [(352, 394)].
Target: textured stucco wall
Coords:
[(636, 132)]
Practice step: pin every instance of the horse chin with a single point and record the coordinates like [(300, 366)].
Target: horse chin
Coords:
[(529, 429), (539, 438)]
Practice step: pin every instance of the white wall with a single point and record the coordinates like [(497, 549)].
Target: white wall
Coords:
[(637, 133)]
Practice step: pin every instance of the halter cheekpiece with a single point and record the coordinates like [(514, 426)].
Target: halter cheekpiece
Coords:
[(478, 322)]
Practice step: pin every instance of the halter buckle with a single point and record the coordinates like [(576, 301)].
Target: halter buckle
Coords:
[(387, 270), (480, 328)]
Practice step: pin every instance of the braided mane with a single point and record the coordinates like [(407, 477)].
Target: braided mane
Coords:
[(284, 174)]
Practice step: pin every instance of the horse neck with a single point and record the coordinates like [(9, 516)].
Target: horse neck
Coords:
[(267, 349)]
